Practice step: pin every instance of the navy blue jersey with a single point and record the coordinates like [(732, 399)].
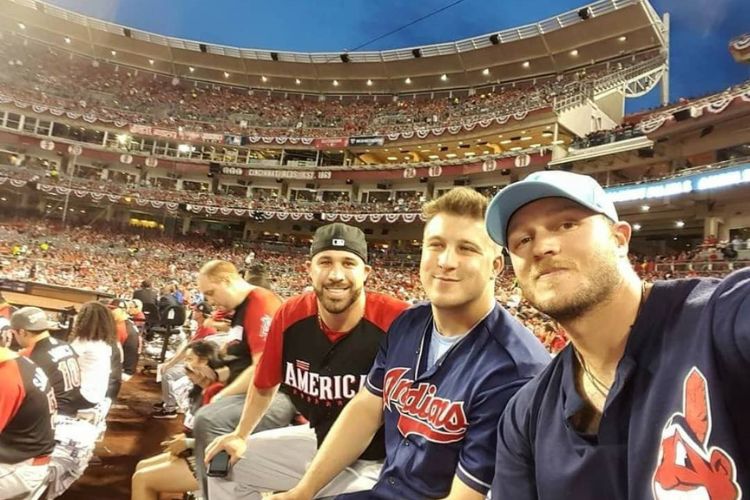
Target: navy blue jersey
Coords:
[(674, 424), (442, 421)]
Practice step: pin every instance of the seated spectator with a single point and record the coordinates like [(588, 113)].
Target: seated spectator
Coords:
[(174, 369), (27, 403), (57, 358), (146, 294), (174, 470), (135, 311), (94, 338), (127, 336)]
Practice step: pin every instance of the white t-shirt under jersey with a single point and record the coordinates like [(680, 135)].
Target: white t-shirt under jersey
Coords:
[(94, 357)]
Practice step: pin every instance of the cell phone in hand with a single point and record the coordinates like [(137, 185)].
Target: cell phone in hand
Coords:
[(219, 465)]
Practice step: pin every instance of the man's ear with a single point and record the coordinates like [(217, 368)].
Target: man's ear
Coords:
[(622, 232), (498, 265), (368, 270)]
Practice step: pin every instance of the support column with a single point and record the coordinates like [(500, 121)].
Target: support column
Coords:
[(712, 227), (247, 231), (185, 225), (665, 75)]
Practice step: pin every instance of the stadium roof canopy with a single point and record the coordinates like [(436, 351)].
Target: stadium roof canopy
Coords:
[(598, 32)]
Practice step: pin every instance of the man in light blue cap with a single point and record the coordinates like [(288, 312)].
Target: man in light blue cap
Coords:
[(649, 399), (581, 189)]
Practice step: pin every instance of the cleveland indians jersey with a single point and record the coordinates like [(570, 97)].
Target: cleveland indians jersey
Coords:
[(674, 423), (441, 421)]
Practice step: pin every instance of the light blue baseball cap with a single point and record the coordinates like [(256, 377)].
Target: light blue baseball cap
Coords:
[(581, 189)]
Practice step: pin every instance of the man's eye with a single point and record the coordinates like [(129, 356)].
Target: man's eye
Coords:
[(523, 241)]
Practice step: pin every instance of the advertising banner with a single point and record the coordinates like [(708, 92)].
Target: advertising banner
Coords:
[(331, 143), (370, 140)]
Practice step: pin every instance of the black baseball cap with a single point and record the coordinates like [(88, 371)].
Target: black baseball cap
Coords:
[(339, 236), (204, 308)]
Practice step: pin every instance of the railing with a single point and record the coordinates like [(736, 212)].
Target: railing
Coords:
[(607, 82), (715, 266), (689, 171), (560, 21)]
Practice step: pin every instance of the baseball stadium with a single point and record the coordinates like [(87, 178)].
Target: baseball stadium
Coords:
[(488, 251)]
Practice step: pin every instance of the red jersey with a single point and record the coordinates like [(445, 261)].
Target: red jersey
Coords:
[(27, 403), (250, 324), (380, 310), (202, 332)]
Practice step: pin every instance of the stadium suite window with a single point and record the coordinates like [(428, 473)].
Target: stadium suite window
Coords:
[(43, 127), (12, 121), (29, 124)]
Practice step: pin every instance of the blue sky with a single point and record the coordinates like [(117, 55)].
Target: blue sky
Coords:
[(700, 29)]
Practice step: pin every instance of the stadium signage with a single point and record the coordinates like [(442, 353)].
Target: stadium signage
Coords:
[(330, 143), (370, 140), (689, 183), (173, 134), (279, 174)]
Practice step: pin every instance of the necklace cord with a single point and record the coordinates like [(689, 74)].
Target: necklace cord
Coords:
[(600, 387)]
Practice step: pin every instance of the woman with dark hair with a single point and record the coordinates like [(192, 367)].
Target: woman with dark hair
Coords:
[(94, 338), (174, 470)]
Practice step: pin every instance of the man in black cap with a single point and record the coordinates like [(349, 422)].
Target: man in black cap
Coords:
[(57, 358), (320, 347)]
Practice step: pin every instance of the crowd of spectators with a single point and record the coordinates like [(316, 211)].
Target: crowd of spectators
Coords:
[(54, 77), (115, 263), (600, 137)]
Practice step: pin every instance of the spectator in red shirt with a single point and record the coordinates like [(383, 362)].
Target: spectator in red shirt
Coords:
[(222, 285), (127, 336)]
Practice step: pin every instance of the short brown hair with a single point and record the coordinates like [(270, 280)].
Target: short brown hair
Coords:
[(218, 270), (461, 201), (95, 322)]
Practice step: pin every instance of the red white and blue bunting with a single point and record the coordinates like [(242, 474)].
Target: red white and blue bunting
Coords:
[(714, 105), (741, 43), (42, 108), (407, 217)]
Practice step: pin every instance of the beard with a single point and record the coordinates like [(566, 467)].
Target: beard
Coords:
[(602, 277), (339, 304)]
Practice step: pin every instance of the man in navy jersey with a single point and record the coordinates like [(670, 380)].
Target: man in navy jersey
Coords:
[(443, 374), (319, 349), (57, 358), (27, 403), (649, 400)]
